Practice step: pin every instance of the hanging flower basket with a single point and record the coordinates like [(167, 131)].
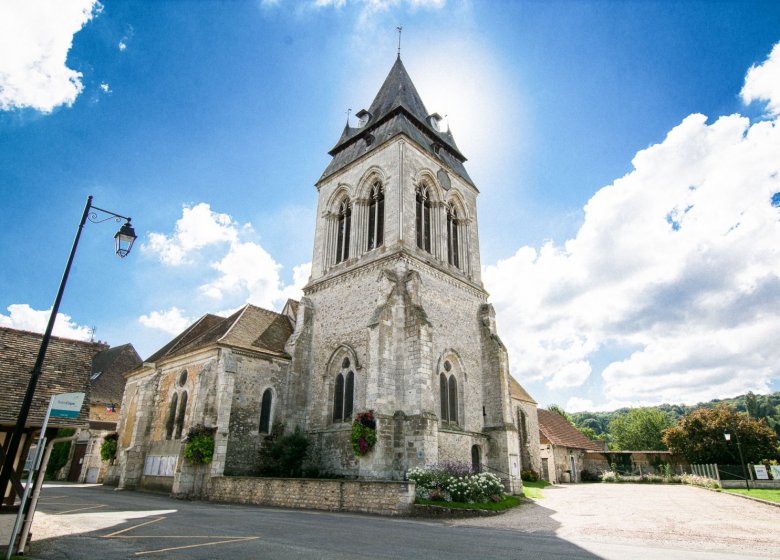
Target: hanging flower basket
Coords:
[(363, 433)]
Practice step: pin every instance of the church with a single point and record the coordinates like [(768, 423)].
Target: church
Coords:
[(394, 320)]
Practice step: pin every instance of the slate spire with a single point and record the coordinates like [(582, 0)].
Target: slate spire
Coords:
[(396, 109)]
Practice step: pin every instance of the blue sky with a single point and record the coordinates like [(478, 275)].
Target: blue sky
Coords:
[(210, 122)]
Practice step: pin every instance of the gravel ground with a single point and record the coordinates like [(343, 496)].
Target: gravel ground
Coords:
[(659, 515)]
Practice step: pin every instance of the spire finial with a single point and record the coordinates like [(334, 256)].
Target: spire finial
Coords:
[(399, 29), (348, 112)]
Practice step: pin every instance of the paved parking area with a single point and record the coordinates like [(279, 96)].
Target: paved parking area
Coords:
[(673, 515), (575, 522)]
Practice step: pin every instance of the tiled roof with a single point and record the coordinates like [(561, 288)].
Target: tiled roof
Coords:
[(66, 369), (251, 328), (397, 109), (516, 391), (109, 386), (555, 429)]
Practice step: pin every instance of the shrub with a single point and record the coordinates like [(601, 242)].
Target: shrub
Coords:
[(108, 447), (59, 453), (199, 445), (589, 476), (529, 475), (284, 455), (455, 482), (610, 476), (696, 480)]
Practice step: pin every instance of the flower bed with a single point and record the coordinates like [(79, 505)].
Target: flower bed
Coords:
[(455, 482)]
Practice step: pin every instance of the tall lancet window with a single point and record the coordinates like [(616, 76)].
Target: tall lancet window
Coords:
[(423, 218), (344, 223), (376, 216), (452, 236)]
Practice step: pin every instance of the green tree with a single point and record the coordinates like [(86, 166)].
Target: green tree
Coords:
[(699, 437), (559, 410), (639, 429)]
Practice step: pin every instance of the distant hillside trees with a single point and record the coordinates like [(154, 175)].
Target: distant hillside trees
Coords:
[(699, 437), (640, 429)]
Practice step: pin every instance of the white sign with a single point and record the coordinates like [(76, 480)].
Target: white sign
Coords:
[(761, 473), (66, 405), (775, 469)]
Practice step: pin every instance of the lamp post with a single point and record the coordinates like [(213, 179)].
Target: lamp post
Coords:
[(124, 239), (727, 435)]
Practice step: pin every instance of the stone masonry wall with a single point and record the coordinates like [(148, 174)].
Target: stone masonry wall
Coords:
[(378, 497)]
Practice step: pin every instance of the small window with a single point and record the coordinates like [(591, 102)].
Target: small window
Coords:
[(448, 398), (476, 459), (423, 218), (180, 416), (452, 236), (265, 412), (171, 422), (342, 237), (95, 375), (344, 393), (376, 216), (182, 378)]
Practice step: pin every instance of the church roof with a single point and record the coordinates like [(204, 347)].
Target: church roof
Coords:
[(516, 391), (555, 429), (397, 109), (250, 328), (107, 382)]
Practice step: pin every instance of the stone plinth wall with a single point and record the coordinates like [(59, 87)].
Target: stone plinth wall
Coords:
[(376, 496), (753, 484)]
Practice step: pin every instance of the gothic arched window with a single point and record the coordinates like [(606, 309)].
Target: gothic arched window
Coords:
[(180, 416), (344, 393), (376, 216), (342, 238), (171, 422), (448, 397), (452, 236), (265, 412), (423, 218)]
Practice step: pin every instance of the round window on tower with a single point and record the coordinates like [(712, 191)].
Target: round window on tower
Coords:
[(447, 365), (345, 363), (182, 378)]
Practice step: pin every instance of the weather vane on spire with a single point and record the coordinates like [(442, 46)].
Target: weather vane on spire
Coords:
[(399, 29), (348, 113)]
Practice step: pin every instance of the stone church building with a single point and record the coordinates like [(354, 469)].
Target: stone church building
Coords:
[(394, 319)]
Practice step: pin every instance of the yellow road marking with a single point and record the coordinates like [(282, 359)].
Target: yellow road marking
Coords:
[(237, 539), (155, 520), (80, 509)]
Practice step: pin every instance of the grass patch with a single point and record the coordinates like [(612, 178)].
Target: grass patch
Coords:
[(533, 489), (768, 494), (506, 503)]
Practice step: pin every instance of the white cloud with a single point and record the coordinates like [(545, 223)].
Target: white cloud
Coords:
[(678, 260), (576, 404), (105, 87), (171, 321), (246, 272), (23, 317), (198, 227), (762, 83), (122, 46), (35, 38)]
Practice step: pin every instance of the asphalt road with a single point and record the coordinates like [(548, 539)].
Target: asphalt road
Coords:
[(78, 522)]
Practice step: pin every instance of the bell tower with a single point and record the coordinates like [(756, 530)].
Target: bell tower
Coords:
[(394, 317)]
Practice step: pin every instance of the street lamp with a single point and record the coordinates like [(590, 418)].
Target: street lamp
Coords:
[(124, 239), (727, 435)]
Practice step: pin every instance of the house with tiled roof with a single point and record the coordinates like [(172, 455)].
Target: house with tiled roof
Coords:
[(526, 417), (562, 448), (66, 370), (225, 372), (106, 387)]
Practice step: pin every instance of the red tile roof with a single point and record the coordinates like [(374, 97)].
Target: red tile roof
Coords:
[(555, 429)]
